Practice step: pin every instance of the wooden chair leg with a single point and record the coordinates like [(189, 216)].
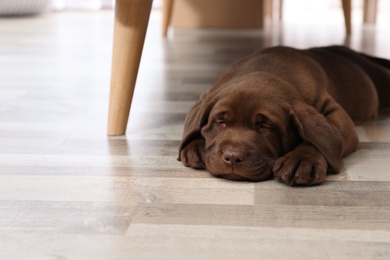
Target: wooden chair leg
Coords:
[(268, 6), (167, 15), (280, 10), (369, 11), (347, 9), (131, 22)]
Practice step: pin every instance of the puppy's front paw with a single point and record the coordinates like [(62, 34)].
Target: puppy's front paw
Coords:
[(191, 155), (303, 166)]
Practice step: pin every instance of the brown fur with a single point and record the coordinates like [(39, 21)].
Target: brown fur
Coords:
[(285, 112)]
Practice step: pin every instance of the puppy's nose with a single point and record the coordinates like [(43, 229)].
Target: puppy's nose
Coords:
[(233, 158)]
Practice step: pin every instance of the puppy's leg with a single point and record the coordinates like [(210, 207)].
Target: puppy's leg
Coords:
[(337, 117), (192, 154), (327, 137)]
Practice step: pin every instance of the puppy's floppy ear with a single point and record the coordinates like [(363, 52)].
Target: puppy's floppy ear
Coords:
[(316, 130), (196, 118)]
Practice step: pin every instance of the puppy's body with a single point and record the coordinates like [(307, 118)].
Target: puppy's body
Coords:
[(285, 112)]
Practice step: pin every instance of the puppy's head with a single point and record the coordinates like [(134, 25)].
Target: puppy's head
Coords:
[(244, 126), (246, 132)]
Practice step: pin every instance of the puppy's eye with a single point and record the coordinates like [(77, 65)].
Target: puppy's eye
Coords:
[(259, 125), (265, 125), (220, 122)]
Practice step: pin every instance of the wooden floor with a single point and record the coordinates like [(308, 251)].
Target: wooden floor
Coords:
[(67, 191)]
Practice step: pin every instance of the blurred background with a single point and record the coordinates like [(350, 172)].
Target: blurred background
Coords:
[(247, 14)]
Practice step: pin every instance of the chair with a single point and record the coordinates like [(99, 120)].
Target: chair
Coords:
[(268, 11), (131, 22), (369, 11)]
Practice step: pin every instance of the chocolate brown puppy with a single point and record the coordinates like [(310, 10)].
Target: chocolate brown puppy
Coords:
[(285, 112)]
